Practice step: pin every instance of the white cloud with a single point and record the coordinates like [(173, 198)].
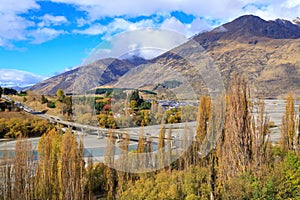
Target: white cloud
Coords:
[(45, 34), (95, 29), (120, 25), (292, 3), (116, 26), (81, 22), (270, 10), (197, 26), (226, 9), (147, 43), (173, 24), (12, 26), (13, 7), (50, 20), (13, 77)]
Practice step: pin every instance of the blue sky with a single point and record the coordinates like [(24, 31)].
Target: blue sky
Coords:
[(40, 38)]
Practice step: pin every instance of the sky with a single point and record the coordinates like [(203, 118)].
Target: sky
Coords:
[(42, 38)]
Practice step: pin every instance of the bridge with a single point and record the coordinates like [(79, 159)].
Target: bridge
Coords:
[(151, 132)]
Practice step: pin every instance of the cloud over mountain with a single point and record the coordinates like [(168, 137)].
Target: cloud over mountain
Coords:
[(12, 77)]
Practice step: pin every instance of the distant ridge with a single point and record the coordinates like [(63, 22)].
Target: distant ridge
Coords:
[(85, 77), (248, 26), (266, 52)]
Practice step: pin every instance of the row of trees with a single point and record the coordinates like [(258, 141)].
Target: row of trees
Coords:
[(22, 127), (242, 163), (7, 91), (59, 172)]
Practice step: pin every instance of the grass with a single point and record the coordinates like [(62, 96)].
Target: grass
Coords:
[(9, 115)]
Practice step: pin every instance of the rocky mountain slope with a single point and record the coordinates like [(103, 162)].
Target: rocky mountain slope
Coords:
[(85, 77), (266, 52)]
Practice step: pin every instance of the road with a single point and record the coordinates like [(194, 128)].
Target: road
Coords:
[(92, 136)]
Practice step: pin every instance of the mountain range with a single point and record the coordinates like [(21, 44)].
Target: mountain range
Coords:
[(265, 52)]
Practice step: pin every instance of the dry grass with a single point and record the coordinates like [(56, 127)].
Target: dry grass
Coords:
[(34, 102), (9, 115)]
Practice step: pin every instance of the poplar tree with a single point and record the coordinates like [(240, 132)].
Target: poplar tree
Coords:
[(72, 177), (169, 149), (298, 132), (235, 146), (23, 170), (141, 149), (288, 129), (48, 175), (161, 145), (110, 173), (203, 118), (123, 176)]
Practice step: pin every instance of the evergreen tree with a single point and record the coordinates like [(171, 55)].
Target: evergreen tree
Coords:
[(44, 99)]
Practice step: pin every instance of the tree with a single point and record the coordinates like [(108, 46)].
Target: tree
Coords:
[(24, 168), (161, 145), (141, 150), (138, 101), (298, 136), (44, 99), (51, 104), (110, 149), (16, 171), (60, 95), (1, 91), (9, 91), (288, 130), (236, 149), (191, 184), (244, 143), (203, 119), (48, 173), (89, 174), (72, 165)]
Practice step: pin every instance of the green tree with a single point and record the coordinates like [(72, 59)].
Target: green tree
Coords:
[(44, 99), (51, 104)]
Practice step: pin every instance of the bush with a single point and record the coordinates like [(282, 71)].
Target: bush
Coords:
[(51, 104), (44, 99)]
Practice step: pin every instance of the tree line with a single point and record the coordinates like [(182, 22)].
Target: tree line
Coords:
[(242, 163)]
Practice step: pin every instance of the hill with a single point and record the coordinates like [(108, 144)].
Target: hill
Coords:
[(99, 73), (266, 52)]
